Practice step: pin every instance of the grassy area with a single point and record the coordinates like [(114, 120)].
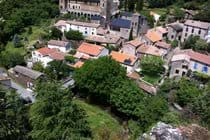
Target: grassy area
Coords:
[(160, 11), (37, 32), (151, 79), (99, 119)]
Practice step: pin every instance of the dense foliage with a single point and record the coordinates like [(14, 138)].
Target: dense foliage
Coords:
[(74, 35), (14, 122), (56, 70), (17, 14), (105, 81), (55, 116), (152, 65)]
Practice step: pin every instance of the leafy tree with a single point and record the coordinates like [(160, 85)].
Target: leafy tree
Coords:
[(187, 93), (17, 42), (11, 58), (151, 111), (70, 59), (190, 42), (131, 5), (97, 78), (74, 35), (159, 3), (127, 97), (30, 30), (178, 13), (14, 123), (139, 5), (54, 116), (57, 70), (56, 33), (152, 65), (201, 107), (174, 43), (38, 66), (204, 14)]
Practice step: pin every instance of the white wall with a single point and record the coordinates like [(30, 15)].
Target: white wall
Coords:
[(37, 57), (62, 49), (83, 29)]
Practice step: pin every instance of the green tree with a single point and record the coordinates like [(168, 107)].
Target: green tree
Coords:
[(152, 65), (74, 35), (179, 13), (127, 97), (11, 58), (14, 123), (70, 59), (190, 42), (187, 93), (38, 66), (57, 70), (17, 42), (97, 78), (55, 33), (204, 14), (139, 5), (54, 116)]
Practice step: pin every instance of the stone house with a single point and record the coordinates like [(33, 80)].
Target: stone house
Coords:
[(195, 28), (25, 76), (130, 62), (62, 46), (131, 47), (182, 62), (175, 31)]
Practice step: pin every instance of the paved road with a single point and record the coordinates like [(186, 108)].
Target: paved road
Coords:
[(24, 93)]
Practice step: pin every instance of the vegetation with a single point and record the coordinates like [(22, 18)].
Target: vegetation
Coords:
[(38, 66), (99, 119), (55, 33), (56, 70), (14, 123), (55, 116), (74, 35), (152, 65), (70, 59)]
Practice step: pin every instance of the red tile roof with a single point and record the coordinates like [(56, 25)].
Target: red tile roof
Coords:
[(122, 58), (153, 36), (199, 57), (53, 53), (90, 49)]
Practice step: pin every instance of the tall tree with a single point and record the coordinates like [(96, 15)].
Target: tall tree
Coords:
[(14, 123), (97, 78), (139, 5), (54, 116)]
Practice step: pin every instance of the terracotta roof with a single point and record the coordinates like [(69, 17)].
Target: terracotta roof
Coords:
[(58, 43), (53, 53), (150, 50), (123, 58), (178, 57), (135, 42), (60, 23), (134, 75), (198, 24), (161, 29), (45, 51), (79, 64), (153, 36), (163, 44), (199, 57), (57, 55), (148, 88), (90, 49)]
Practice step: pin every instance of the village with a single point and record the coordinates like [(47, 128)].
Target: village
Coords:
[(87, 31)]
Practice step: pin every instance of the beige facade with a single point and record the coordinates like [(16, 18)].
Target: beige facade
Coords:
[(89, 8)]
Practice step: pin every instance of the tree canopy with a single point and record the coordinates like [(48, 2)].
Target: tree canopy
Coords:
[(152, 65), (55, 116)]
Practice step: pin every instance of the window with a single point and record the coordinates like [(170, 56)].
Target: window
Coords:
[(199, 32), (172, 37), (192, 30), (205, 69), (185, 34), (187, 29), (195, 66), (177, 71), (184, 66), (85, 32)]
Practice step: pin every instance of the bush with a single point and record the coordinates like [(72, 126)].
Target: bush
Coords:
[(74, 35), (70, 59), (73, 51)]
